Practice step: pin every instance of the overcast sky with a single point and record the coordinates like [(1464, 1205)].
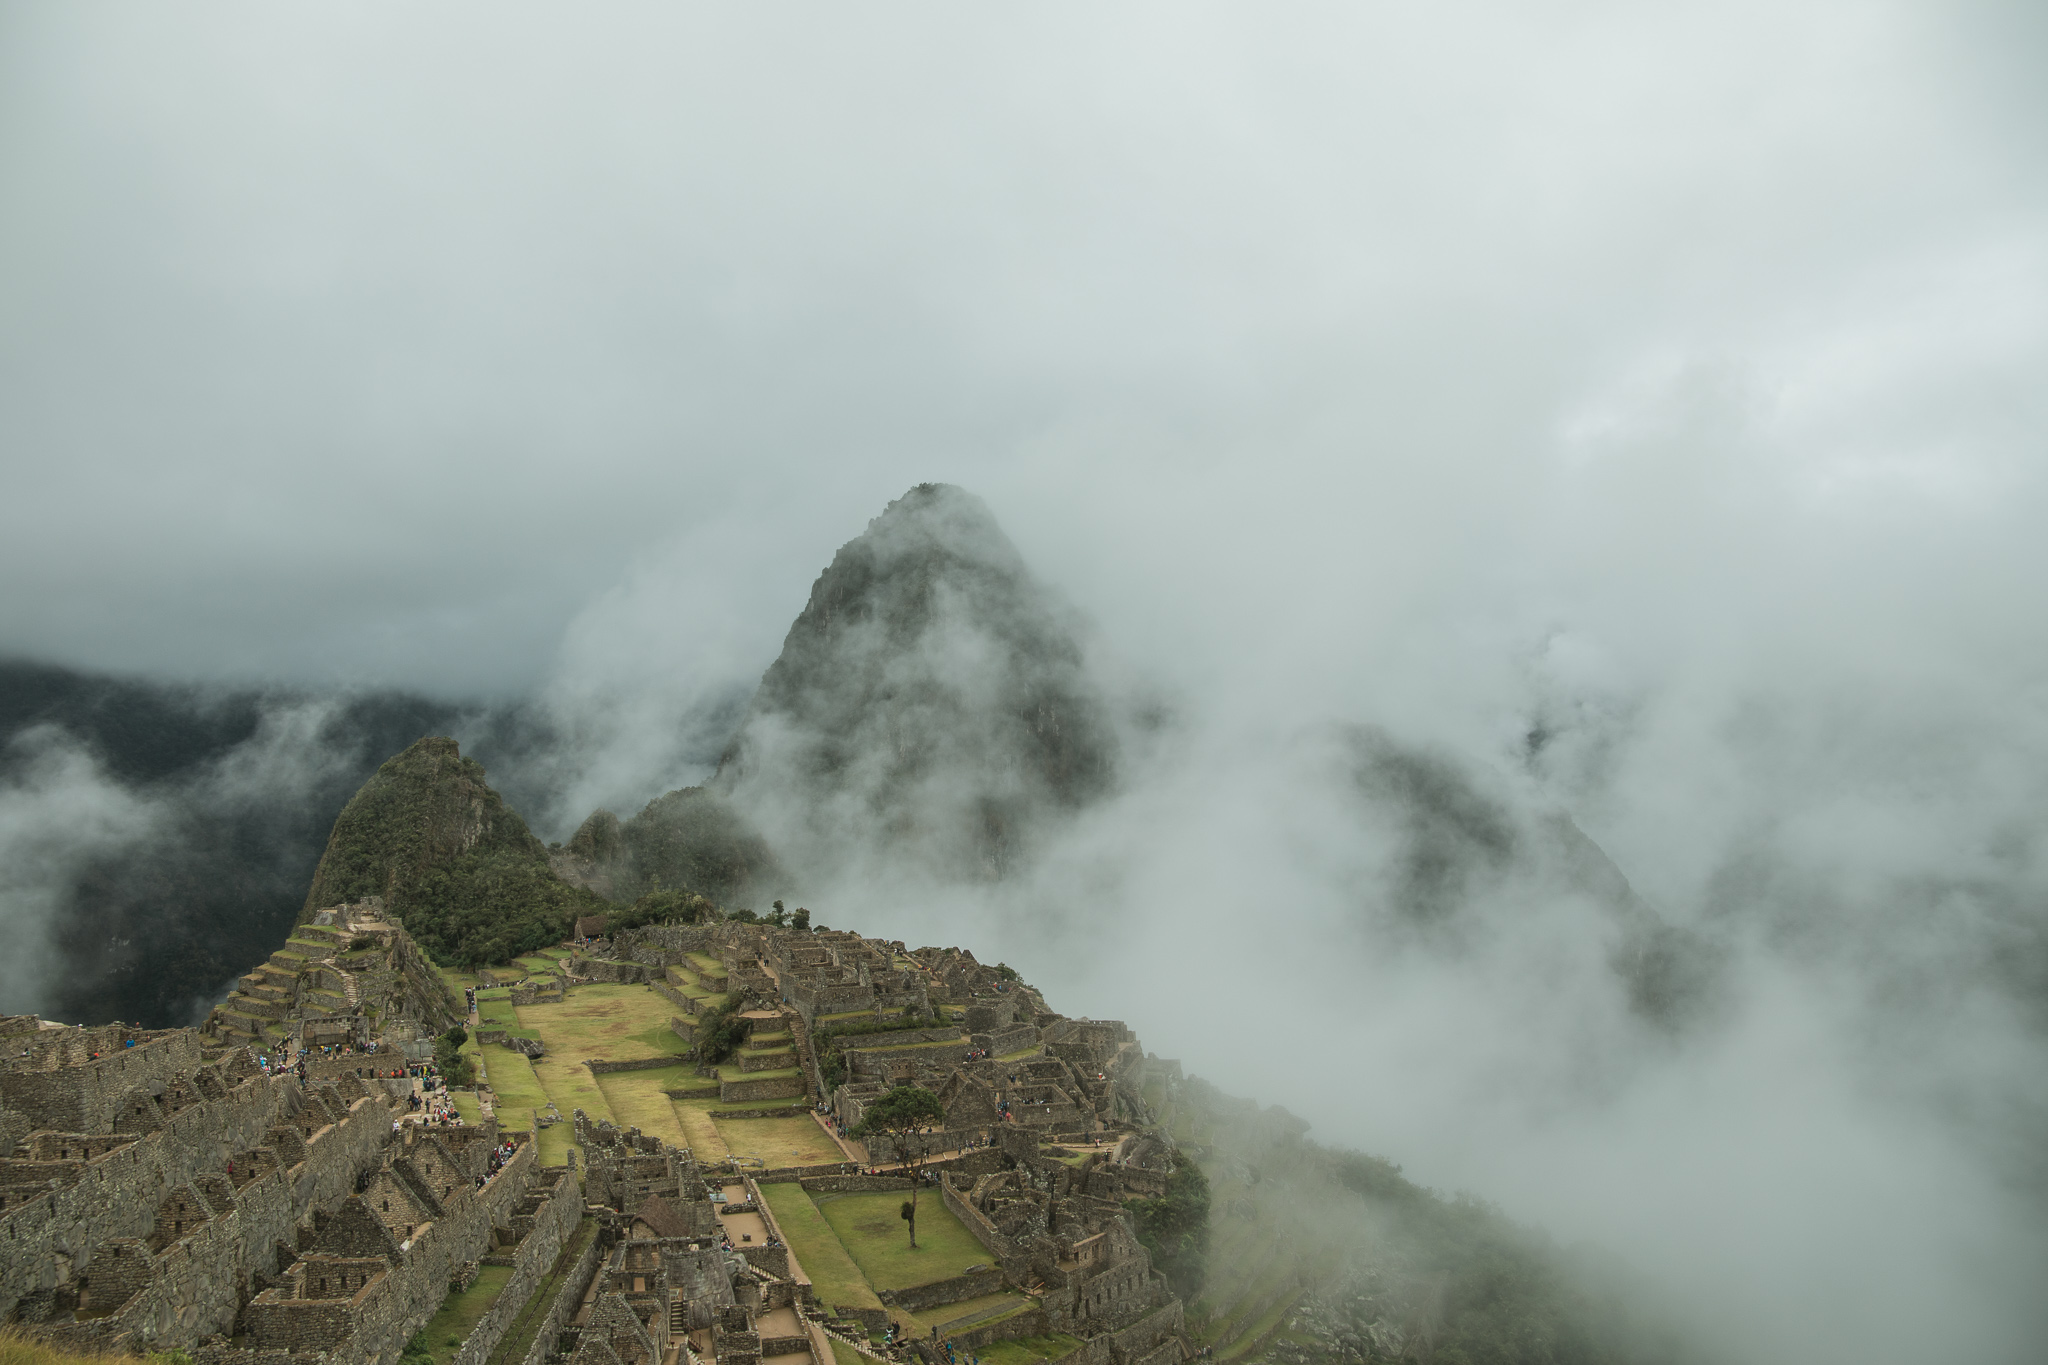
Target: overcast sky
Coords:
[(1668, 376), (380, 344)]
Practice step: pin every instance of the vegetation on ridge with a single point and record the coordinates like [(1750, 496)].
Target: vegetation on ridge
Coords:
[(1175, 1227), (452, 861)]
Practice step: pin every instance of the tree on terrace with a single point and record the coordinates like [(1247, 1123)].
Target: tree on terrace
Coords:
[(902, 1116)]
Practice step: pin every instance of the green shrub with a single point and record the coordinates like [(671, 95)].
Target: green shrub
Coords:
[(456, 1067), (1175, 1227), (720, 1033)]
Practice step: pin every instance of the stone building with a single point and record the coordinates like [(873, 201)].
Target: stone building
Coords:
[(163, 1189)]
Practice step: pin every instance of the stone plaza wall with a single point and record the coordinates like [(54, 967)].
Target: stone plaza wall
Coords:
[(1012, 1258), (600, 1067), (854, 1184), (781, 1087), (669, 941), (969, 1284), (614, 973), (1029, 1323)]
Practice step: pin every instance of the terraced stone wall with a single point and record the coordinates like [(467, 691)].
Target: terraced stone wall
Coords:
[(117, 1194), (194, 1287), (85, 1094)]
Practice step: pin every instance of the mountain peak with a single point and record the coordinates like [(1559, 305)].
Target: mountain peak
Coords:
[(932, 699)]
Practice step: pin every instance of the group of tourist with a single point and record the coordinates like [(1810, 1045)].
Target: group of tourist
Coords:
[(952, 1356)]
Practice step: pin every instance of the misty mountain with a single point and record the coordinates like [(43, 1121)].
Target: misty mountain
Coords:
[(931, 709), (932, 702), (158, 839), (686, 840), (1465, 849)]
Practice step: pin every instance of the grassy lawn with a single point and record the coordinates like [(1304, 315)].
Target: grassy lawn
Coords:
[(571, 1086), (637, 1100), (519, 1091), (1028, 1350), (1007, 1301), (837, 1280), (497, 1012), (459, 1312), (464, 1102), (612, 1023), (843, 1354), (555, 1142), (780, 1142), (704, 1140), (868, 1227)]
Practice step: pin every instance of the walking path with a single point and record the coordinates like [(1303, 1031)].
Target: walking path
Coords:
[(853, 1152)]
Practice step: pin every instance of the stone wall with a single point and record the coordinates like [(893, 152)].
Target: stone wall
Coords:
[(813, 1001), (1029, 1323), (600, 1067), (671, 939), (862, 1062), (1015, 1263), (85, 1096), (779, 1088), (970, 1284), (415, 1291), (568, 1297), (1015, 1038), (196, 1284), (774, 1260), (854, 1184), (118, 1193), (553, 1224), (614, 973)]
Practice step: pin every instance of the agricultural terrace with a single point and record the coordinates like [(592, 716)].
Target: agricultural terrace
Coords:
[(628, 1023), (855, 1246)]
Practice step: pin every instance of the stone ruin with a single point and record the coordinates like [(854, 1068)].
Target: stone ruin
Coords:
[(163, 1190), (1013, 1077), (667, 1288), (348, 976)]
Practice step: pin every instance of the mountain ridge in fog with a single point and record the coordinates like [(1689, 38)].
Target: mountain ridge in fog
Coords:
[(931, 707)]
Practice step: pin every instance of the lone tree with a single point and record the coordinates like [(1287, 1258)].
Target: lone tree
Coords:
[(902, 1115)]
